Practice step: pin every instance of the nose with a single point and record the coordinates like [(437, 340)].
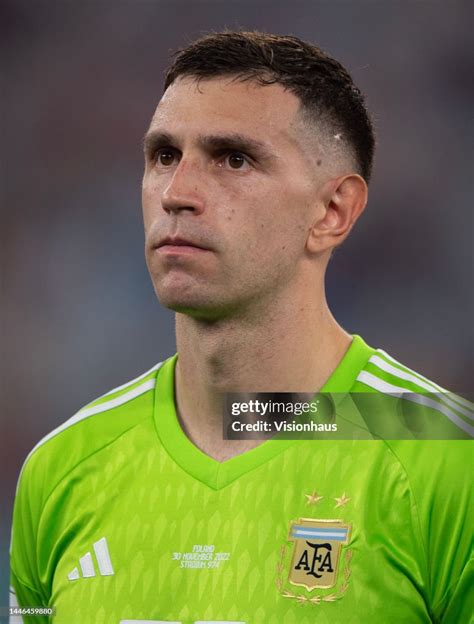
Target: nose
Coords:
[(184, 190)]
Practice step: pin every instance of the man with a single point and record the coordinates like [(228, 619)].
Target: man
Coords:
[(257, 161)]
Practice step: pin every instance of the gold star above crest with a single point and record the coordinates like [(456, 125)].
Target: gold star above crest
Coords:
[(313, 498), (342, 500)]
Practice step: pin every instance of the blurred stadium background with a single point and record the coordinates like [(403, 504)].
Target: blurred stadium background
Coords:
[(80, 81)]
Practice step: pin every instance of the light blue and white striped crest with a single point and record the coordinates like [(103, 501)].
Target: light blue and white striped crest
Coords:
[(320, 533)]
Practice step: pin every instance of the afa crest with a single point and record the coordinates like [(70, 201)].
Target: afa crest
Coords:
[(316, 552), (315, 558)]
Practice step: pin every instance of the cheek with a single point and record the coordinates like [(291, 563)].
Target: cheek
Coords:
[(150, 204), (281, 227)]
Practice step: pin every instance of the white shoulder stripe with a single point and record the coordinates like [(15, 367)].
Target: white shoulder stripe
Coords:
[(397, 392), (129, 383), (102, 407), (435, 386), (442, 395)]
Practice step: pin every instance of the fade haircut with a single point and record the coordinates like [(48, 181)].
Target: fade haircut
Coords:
[(324, 87)]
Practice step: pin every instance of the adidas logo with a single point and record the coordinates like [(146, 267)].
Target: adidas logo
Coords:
[(86, 563)]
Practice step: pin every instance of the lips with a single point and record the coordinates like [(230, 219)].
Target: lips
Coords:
[(179, 242), (178, 247)]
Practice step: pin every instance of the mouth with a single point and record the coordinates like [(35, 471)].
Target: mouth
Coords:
[(175, 246)]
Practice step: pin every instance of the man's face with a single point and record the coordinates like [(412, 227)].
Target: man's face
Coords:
[(229, 172)]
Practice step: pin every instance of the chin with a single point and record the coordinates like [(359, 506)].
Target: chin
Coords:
[(184, 302), (194, 298), (198, 312), (196, 306)]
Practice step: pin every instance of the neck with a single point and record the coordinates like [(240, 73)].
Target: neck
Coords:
[(293, 348)]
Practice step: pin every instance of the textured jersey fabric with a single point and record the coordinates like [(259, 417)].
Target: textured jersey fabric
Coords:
[(119, 518)]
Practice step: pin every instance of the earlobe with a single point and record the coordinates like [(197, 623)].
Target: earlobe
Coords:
[(344, 201)]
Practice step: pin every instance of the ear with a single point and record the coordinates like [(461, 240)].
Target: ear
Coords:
[(344, 200)]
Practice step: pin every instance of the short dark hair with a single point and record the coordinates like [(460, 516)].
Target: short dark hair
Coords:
[(325, 88)]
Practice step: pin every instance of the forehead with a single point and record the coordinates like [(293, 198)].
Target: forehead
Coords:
[(266, 112)]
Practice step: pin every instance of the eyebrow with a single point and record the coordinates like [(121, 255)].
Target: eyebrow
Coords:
[(155, 139)]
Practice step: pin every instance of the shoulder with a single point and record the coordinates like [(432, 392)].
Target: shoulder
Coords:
[(68, 455), (433, 454), (89, 430), (424, 408), (434, 449)]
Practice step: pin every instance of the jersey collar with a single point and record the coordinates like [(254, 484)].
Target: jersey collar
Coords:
[(218, 475)]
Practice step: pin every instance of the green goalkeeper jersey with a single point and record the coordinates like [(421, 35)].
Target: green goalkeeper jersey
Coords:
[(120, 519)]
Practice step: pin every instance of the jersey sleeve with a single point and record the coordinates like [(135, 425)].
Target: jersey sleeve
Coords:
[(23, 596), (26, 586), (439, 473)]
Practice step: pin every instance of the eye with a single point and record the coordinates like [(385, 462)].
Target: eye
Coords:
[(164, 157), (236, 160)]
